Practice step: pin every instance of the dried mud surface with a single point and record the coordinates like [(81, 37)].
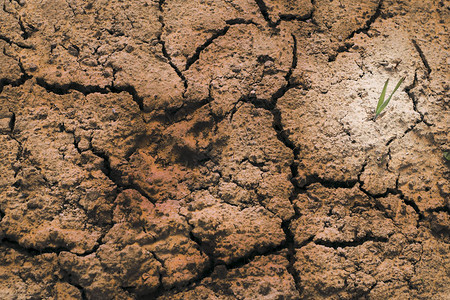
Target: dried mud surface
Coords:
[(181, 149)]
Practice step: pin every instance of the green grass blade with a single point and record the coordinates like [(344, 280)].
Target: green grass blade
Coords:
[(447, 155), (381, 100), (385, 103)]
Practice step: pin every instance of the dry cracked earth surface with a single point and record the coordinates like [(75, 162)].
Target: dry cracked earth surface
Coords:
[(224, 149)]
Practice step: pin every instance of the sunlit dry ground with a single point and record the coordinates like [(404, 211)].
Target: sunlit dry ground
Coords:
[(224, 149)]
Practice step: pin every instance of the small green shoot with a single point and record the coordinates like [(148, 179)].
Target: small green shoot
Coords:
[(381, 103), (447, 155)]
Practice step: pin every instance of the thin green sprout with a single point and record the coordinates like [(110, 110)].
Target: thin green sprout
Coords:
[(381, 102)]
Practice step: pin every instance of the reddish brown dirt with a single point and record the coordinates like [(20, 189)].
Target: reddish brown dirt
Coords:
[(224, 149)]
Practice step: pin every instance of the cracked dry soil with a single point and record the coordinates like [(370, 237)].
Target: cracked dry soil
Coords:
[(223, 149)]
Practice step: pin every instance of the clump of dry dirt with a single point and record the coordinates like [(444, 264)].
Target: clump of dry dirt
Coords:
[(223, 150)]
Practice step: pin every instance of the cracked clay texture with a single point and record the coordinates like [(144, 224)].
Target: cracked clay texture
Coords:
[(224, 149)]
